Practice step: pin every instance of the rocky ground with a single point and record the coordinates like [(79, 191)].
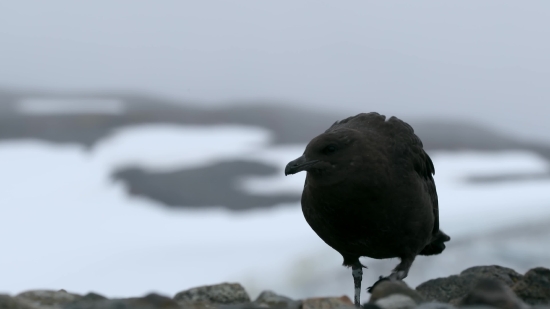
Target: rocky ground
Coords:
[(479, 287)]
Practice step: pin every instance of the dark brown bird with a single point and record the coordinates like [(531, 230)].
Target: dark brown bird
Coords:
[(369, 191)]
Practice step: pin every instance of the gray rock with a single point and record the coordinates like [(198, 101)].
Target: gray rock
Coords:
[(328, 303), (386, 288), (453, 288), (505, 275), (92, 297), (269, 299), (225, 293), (48, 298), (156, 301), (370, 306), (534, 287), (479, 307), (8, 302), (396, 301), (239, 306), (491, 292), (435, 305), (151, 301)]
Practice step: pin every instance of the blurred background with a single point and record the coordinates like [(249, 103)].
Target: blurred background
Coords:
[(142, 143)]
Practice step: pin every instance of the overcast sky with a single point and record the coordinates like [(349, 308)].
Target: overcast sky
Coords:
[(484, 61)]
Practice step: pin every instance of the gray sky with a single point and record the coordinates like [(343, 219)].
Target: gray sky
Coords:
[(484, 61)]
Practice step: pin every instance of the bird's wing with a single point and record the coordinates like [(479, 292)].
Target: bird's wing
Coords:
[(433, 194), (412, 147), (404, 144)]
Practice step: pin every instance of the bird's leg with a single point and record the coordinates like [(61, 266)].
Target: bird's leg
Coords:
[(357, 272), (400, 272)]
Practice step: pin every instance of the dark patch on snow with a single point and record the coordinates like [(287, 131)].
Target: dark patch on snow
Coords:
[(210, 186)]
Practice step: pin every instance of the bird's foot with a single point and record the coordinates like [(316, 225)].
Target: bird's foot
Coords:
[(394, 276), (398, 275)]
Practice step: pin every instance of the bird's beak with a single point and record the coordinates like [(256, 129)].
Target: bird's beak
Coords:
[(298, 165)]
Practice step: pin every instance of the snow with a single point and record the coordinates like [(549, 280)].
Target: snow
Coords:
[(468, 208), (166, 146), (66, 225)]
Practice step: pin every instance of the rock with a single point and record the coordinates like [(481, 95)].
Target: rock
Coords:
[(370, 306), (481, 287), (328, 303), (151, 301), (199, 305), (386, 288), (453, 288), (50, 298), (8, 302), (92, 297), (269, 299), (503, 274), (239, 306), (396, 301), (479, 307), (225, 293), (491, 292), (157, 301), (534, 287), (435, 305)]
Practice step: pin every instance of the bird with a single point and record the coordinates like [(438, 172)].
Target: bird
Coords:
[(369, 192)]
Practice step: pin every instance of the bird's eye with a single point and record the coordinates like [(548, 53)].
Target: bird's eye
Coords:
[(329, 149)]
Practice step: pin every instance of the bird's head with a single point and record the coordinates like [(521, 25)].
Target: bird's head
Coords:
[(328, 156)]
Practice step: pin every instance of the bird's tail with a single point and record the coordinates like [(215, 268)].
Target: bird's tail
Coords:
[(437, 245)]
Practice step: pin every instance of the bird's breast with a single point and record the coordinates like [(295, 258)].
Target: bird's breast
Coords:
[(366, 220)]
